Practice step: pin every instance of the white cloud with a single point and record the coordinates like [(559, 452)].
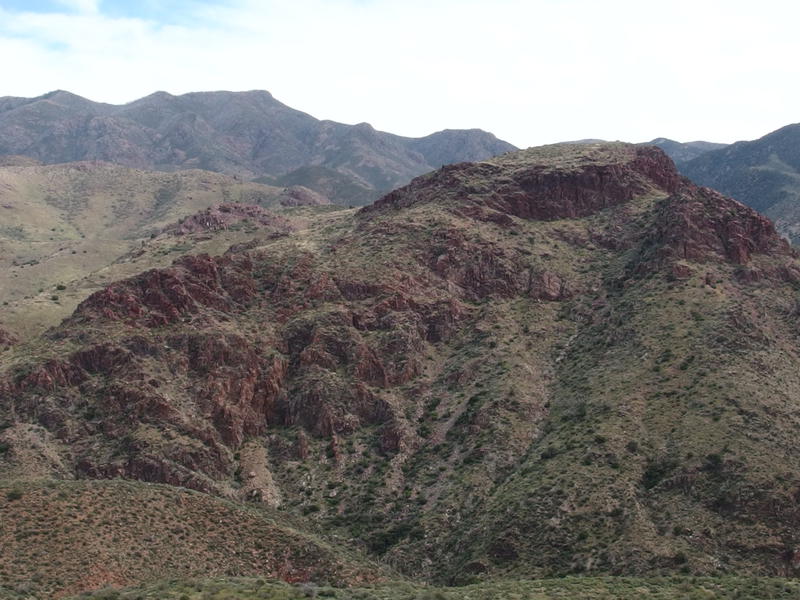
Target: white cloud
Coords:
[(531, 71)]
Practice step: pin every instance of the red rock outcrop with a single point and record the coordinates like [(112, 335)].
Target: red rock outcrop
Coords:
[(701, 225), (509, 186), (161, 296), (224, 216)]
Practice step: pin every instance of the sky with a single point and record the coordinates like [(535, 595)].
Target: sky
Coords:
[(530, 71)]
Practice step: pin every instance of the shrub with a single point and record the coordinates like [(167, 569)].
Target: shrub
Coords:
[(656, 471)]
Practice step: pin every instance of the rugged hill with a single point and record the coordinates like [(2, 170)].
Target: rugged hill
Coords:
[(683, 152), (764, 174), (65, 229), (249, 134), (567, 359)]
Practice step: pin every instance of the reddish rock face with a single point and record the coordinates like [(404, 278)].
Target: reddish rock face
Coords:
[(540, 192), (182, 368), (701, 225), (162, 296)]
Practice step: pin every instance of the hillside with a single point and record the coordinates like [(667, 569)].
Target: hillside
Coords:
[(60, 538), (65, 229), (763, 173), (249, 134), (566, 588), (564, 360)]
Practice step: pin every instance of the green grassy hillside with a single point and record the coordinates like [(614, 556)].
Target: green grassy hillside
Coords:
[(568, 588)]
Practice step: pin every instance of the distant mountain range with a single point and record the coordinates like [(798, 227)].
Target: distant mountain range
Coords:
[(246, 134), (683, 152)]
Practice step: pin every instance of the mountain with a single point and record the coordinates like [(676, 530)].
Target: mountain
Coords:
[(248, 134), (763, 173), (564, 360), (67, 229), (683, 152)]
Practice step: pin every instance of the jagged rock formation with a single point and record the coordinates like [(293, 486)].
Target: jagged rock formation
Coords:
[(224, 216), (560, 360)]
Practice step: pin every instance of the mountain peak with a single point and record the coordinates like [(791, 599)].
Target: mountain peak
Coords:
[(545, 183)]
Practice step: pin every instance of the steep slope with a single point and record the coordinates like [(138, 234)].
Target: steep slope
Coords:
[(764, 174), (683, 152), (249, 134), (63, 228), (566, 359)]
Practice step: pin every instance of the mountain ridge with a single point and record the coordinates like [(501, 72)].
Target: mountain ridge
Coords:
[(248, 134)]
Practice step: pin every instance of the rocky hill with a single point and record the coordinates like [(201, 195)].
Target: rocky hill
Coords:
[(564, 360), (764, 174), (67, 229), (249, 134)]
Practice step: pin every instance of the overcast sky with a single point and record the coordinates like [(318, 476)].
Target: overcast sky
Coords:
[(530, 71)]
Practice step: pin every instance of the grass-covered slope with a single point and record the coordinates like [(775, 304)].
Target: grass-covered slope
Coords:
[(59, 538), (568, 588)]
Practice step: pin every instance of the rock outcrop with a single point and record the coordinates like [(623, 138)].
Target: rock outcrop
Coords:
[(225, 216), (543, 183)]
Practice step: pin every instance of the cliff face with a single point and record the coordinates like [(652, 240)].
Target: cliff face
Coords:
[(557, 183), (542, 363)]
